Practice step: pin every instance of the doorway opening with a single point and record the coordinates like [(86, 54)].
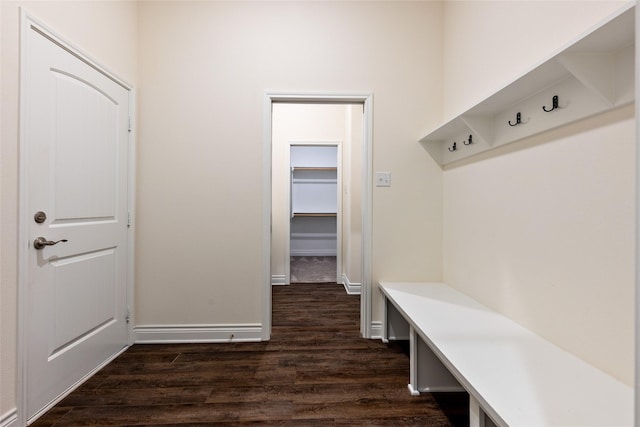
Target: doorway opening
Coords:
[(308, 119)]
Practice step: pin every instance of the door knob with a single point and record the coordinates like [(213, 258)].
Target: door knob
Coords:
[(41, 242)]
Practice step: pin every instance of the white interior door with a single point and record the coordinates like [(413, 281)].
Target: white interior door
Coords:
[(75, 148)]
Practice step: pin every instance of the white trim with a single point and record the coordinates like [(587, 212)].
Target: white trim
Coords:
[(9, 418), (168, 334), (351, 287), (314, 236), (21, 374), (27, 23), (278, 279), (367, 155), (333, 251), (288, 208), (339, 213), (132, 215), (366, 328), (313, 252), (637, 223), (376, 330), (266, 216)]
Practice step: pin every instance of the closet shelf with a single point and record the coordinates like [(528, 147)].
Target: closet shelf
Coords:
[(313, 168), (593, 75), (327, 181), (314, 214), (314, 189)]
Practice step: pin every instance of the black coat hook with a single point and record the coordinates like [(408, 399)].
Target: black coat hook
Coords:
[(470, 141), (518, 120), (453, 147), (554, 104)]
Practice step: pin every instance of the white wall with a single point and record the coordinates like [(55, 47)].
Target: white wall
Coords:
[(206, 67), (488, 43), (107, 31), (543, 231)]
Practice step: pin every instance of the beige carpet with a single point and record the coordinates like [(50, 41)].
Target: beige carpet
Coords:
[(313, 269)]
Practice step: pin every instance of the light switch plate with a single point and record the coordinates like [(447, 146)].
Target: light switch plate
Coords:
[(383, 179)]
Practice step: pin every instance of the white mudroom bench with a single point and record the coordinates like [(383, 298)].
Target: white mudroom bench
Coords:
[(513, 376)]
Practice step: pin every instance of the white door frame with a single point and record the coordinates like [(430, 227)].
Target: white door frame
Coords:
[(366, 99), (339, 195), (27, 23), (637, 220)]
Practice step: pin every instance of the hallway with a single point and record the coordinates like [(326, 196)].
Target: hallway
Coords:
[(316, 370)]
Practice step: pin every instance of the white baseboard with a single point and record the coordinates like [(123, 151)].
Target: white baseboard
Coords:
[(376, 330), (9, 419), (313, 244), (314, 236), (351, 287), (313, 252), (278, 279), (167, 334)]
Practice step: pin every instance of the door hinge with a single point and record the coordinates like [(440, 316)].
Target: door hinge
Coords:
[(127, 317), (128, 219), (130, 124)]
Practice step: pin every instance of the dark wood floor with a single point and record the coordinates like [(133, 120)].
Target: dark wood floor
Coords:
[(316, 370)]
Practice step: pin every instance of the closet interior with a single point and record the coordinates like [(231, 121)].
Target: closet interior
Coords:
[(314, 210)]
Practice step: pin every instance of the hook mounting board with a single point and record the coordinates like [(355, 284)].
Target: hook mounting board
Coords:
[(593, 75)]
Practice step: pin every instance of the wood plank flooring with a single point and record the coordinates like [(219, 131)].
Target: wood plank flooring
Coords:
[(315, 371)]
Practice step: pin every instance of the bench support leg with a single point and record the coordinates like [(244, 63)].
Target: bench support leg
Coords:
[(394, 326), (477, 416), (475, 413), (413, 362), (426, 372)]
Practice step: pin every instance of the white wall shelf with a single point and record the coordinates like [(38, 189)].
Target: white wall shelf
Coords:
[(593, 75)]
